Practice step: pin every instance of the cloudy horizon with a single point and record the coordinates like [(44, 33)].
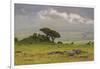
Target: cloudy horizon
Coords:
[(76, 22)]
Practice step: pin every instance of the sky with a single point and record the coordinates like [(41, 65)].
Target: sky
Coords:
[(71, 22)]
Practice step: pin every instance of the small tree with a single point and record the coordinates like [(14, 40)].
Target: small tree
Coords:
[(59, 42), (35, 35), (16, 39), (72, 43)]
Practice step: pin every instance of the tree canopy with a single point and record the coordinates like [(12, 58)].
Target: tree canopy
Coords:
[(52, 34)]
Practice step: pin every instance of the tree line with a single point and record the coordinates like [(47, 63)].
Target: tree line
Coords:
[(49, 36)]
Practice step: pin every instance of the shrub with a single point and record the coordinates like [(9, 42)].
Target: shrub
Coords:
[(89, 43), (72, 43), (59, 42)]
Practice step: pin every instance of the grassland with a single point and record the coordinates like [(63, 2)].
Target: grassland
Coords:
[(38, 53)]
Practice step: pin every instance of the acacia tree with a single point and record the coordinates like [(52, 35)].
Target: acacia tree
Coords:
[(46, 31), (52, 34)]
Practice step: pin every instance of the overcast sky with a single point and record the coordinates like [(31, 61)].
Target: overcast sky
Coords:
[(30, 18)]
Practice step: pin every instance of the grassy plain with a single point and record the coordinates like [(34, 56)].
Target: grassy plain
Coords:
[(26, 54)]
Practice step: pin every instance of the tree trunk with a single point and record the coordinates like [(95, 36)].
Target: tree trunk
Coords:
[(53, 39)]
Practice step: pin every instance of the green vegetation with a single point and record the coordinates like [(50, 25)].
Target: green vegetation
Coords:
[(35, 38), (48, 37), (50, 33), (39, 53), (42, 49)]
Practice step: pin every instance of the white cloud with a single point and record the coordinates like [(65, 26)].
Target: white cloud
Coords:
[(89, 21), (49, 13), (73, 18), (54, 14)]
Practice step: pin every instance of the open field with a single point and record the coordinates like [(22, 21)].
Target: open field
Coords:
[(52, 34), (52, 53)]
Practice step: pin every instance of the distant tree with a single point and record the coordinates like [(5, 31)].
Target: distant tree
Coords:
[(16, 39), (52, 34), (89, 43), (35, 36), (72, 43), (59, 42)]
